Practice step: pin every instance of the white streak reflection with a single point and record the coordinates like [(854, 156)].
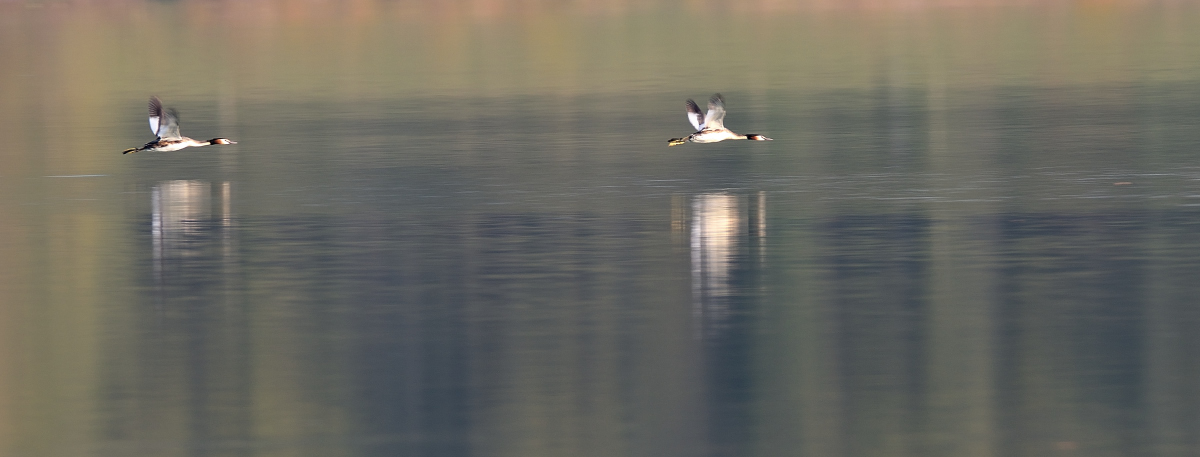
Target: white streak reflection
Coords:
[(714, 244), (185, 228), (725, 229), (180, 210)]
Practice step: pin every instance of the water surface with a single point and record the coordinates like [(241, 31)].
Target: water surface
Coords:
[(457, 230)]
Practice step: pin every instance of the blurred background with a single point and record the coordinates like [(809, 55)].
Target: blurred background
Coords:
[(454, 228)]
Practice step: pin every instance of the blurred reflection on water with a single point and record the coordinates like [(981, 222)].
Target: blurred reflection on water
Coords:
[(454, 229), (720, 224), (716, 229), (180, 209), (182, 214)]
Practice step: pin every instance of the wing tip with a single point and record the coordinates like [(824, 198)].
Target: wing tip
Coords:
[(695, 116), (155, 106)]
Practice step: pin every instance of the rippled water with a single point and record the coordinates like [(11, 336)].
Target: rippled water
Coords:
[(457, 230)]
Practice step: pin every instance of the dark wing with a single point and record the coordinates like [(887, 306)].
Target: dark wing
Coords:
[(695, 116), (715, 118), (156, 112)]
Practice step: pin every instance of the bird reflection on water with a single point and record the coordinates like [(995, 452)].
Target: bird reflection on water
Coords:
[(722, 226), (184, 228)]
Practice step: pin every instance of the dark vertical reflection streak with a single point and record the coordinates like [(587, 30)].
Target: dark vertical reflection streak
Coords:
[(879, 269), (1077, 335)]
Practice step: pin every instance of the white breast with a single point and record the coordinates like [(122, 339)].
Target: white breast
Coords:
[(172, 147), (175, 145), (713, 136)]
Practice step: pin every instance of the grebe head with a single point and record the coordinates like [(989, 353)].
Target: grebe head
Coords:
[(757, 137), (221, 141)]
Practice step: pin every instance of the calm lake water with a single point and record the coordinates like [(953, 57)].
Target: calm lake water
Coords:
[(456, 229)]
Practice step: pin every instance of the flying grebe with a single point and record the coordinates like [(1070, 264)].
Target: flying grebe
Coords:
[(710, 127), (165, 125)]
